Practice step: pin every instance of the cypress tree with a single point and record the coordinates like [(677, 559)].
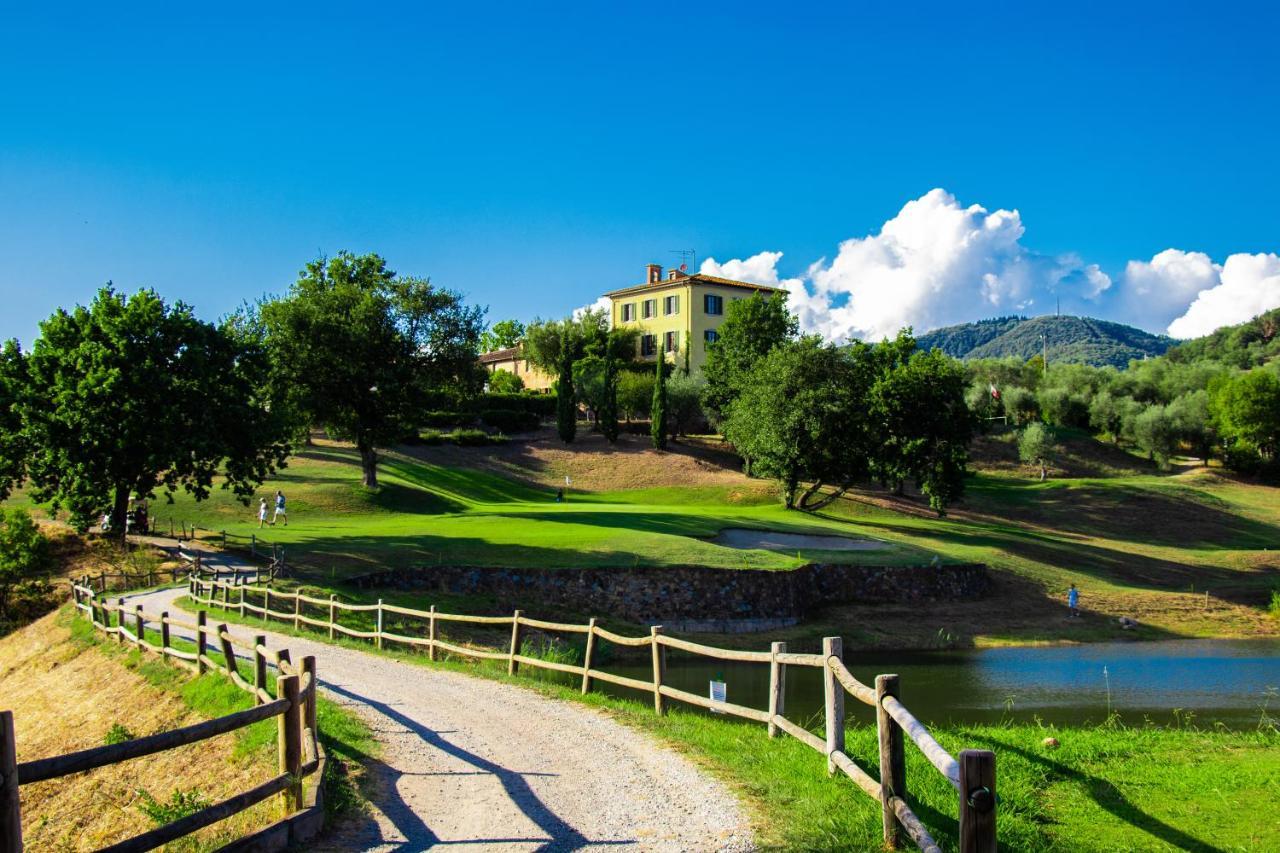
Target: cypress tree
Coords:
[(608, 414), (658, 414), (566, 399)]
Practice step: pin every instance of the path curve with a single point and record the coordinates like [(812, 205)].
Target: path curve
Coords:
[(478, 764)]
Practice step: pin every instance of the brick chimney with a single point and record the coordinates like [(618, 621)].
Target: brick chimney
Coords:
[(654, 273)]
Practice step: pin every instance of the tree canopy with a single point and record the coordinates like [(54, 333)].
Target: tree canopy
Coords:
[(363, 346), (502, 335), (751, 328), (131, 394)]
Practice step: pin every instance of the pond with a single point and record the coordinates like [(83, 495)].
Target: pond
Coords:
[(1216, 681)]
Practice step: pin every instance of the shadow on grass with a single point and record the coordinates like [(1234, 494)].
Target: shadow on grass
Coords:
[(1108, 797)]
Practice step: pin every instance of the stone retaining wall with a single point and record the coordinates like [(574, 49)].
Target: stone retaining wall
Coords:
[(695, 598)]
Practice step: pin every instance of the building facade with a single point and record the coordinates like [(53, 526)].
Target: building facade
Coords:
[(678, 315), (512, 360)]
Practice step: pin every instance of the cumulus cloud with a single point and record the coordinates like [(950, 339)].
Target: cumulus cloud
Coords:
[(937, 262), (1242, 288), (933, 264), (1157, 292), (602, 304)]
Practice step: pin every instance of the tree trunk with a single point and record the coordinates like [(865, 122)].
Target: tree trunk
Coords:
[(120, 513), (789, 492), (369, 465), (823, 501), (1044, 472)]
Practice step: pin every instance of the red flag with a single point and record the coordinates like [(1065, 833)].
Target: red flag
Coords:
[(995, 392)]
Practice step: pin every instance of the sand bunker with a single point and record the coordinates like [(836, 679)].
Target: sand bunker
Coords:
[(771, 540)]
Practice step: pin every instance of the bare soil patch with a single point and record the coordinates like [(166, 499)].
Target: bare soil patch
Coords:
[(594, 465)]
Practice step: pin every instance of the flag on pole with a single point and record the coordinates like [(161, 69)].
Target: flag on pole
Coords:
[(995, 392)]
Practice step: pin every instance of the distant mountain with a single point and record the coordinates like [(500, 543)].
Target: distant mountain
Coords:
[(1081, 340)]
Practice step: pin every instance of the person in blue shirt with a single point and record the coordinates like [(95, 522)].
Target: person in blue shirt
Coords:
[(1073, 600), (280, 511)]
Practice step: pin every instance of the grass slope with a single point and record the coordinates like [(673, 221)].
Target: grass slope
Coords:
[(426, 513)]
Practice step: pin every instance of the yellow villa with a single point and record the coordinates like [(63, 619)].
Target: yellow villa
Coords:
[(678, 315)]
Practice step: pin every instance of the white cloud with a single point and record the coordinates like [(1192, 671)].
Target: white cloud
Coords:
[(935, 263), (1246, 286), (1156, 292), (602, 304)]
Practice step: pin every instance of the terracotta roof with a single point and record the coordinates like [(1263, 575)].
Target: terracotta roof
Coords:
[(508, 354), (696, 278)]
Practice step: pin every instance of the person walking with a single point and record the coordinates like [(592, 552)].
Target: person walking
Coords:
[(1073, 600), (280, 510), (262, 512)]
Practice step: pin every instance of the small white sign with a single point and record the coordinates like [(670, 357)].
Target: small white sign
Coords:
[(566, 480), (718, 692)]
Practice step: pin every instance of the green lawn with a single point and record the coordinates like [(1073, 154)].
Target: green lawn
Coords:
[(424, 514)]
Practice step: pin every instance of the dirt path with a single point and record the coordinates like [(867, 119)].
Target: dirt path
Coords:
[(477, 764)]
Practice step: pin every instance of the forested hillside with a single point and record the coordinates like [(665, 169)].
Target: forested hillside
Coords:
[(1075, 340), (1247, 345)]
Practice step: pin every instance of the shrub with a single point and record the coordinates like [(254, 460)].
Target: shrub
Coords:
[(181, 804), (1036, 446), (472, 438), (505, 382), (1274, 608), (684, 403), (448, 419), (118, 734), (25, 558), (430, 436), (511, 420), (635, 394)]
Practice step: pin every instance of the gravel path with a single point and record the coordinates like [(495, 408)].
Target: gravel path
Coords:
[(477, 764)]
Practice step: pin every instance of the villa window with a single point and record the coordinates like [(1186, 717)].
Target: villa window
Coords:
[(710, 336), (647, 345), (649, 308), (628, 312), (671, 305), (713, 304), (671, 342)]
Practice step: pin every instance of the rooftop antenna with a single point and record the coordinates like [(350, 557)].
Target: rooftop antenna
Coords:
[(685, 256)]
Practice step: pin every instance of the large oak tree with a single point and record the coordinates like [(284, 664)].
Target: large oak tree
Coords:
[(130, 395), (363, 346)]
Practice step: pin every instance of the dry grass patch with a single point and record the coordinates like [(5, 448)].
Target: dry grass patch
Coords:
[(67, 695)]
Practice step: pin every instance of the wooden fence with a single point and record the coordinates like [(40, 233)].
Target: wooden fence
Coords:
[(972, 775), (293, 706), (255, 545)]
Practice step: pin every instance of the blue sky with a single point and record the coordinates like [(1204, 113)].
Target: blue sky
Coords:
[(533, 156)]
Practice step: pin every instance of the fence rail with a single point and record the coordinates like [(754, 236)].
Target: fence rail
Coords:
[(972, 774), (293, 706)]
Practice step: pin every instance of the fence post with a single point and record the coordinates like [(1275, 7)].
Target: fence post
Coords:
[(431, 633), (201, 640), (224, 540), (309, 704), (777, 686), (243, 588), (228, 653), (10, 805), (977, 801), (378, 638), (266, 603), (893, 760), (659, 670), (259, 667), (139, 623), (164, 634), (586, 658), (253, 544), (513, 665), (289, 740), (834, 694), (297, 611), (333, 612), (120, 619)]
